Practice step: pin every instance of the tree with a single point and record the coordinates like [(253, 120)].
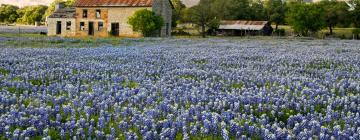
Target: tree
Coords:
[(202, 15), (31, 14), (8, 13), (257, 10), (177, 12), (239, 9), (51, 9), (220, 8), (146, 22), (305, 18), (335, 13), (276, 10), (356, 13)]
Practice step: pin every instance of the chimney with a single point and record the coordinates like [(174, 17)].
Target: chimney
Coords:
[(59, 6)]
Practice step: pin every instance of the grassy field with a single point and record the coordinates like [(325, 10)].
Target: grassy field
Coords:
[(178, 88), (343, 33)]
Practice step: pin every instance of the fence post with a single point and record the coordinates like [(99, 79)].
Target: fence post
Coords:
[(353, 36)]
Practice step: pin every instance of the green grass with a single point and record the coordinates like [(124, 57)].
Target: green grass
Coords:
[(36, 82), (236, 86), (130, 84), (4, 71), (201, 61), (188, 76), (338, 32)]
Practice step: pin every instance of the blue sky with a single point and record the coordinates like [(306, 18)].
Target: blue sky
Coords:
[(22, 3)]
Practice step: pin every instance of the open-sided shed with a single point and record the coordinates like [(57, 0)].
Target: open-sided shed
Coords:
[(243, 27)]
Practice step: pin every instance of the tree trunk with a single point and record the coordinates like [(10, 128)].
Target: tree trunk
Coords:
[(203, 30), (331, 29), (276, 27)]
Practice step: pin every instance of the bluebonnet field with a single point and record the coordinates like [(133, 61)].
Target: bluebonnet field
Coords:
[(183, 89)]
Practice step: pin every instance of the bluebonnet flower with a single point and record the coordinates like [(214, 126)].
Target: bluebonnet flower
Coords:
[(233, 89)]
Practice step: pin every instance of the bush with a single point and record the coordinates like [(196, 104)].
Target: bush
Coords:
[(146, 22), (180, 32), (279, 32), (356, 32)]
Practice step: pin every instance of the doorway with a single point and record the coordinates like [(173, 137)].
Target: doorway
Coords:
[(58, 28), (91, 28), (115, 29)]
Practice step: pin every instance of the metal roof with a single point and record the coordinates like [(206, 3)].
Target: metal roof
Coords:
[(63, 13), (115, 3), (242, 25)]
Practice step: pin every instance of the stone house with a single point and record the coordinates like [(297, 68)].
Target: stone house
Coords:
[(104, 18), (62, 22)]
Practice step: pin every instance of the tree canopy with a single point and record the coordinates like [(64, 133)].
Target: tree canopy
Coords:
[(31, 14), (276, 10), (356, 13), (202, 15), (305, 18), (335, 13), (8, 13)]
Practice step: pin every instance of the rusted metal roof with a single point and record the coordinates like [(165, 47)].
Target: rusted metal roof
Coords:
[(113, 3), (242, 25), (63, 13)]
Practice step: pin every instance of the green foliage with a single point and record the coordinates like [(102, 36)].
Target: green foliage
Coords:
[(130, 84), (8, 13), (31, 14), (276, 10), (240, 9), (356, 13), (178, 12), (202, 15), (201, 61), (51, 9), (258, 11), (36, 82), (4, 71), (356, 31), (279, 32), (236, 86), (146, 22), (188, 76), (335, 13), (305, 18)]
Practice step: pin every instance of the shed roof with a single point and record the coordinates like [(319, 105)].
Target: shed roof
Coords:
[(68, 12), (242, 25), (110, 3)]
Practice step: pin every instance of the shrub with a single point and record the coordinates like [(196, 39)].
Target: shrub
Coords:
[(356, 32), (180, 32), (279, 32), (146, 22)]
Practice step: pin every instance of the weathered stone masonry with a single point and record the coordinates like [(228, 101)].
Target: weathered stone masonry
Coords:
[(117, 12)]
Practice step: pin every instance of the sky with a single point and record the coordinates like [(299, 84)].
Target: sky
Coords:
[(23, 3)]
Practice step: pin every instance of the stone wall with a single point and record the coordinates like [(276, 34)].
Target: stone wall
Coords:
[(91, 17), (164, 9), (112, 15), (121, 15), (52, 23)]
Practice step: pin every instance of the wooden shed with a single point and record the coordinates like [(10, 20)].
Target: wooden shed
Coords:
[(243, 28)]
